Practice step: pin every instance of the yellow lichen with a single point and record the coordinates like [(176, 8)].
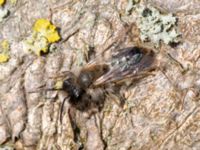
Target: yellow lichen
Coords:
[(44, 34), (5, 45), (4, 54), (2, 2), (46, 29), (4, 58), (58, 85), (13, 2)]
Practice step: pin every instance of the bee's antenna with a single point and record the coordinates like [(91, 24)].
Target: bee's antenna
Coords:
[(43, 89), (62, 108)]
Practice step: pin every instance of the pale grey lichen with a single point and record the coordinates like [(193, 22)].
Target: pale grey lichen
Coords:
[(3, 13), (6, 147), (36, 43), (156, 27), (131, 4)]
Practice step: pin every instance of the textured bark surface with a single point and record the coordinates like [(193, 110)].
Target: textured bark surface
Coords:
[(161, 111)]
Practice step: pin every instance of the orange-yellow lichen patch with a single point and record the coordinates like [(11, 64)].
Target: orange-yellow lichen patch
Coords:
[(5, 45), (43, 35), (4, 58), (4, 54), (2, 2), (48, 30)]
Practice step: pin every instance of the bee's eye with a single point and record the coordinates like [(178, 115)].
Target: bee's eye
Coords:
[(67, 83), (72, 88)]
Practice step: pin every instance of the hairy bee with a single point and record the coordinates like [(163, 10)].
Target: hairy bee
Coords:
[(88, 88)]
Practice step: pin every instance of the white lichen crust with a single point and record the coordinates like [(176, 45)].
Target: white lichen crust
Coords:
[(156, 27)]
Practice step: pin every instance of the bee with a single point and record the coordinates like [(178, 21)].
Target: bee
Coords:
[(87, 89)]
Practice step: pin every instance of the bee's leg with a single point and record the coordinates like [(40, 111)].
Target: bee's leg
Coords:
[(43, 90), (117, 98), (121, 99), (75, 127), (114, 93), (71, 113)]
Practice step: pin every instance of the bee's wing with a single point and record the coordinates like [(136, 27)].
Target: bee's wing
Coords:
[(98, 60), (140, 61)]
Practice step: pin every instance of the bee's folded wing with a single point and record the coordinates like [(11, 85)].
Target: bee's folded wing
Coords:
[(123, 72)]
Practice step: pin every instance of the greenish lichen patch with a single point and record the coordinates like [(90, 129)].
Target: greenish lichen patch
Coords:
[(36, 43), (156, 27)]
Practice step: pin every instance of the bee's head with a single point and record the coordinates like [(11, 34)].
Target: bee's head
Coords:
[(72, 88)]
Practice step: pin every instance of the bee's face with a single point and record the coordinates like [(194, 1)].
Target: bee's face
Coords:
[(72, 88)]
